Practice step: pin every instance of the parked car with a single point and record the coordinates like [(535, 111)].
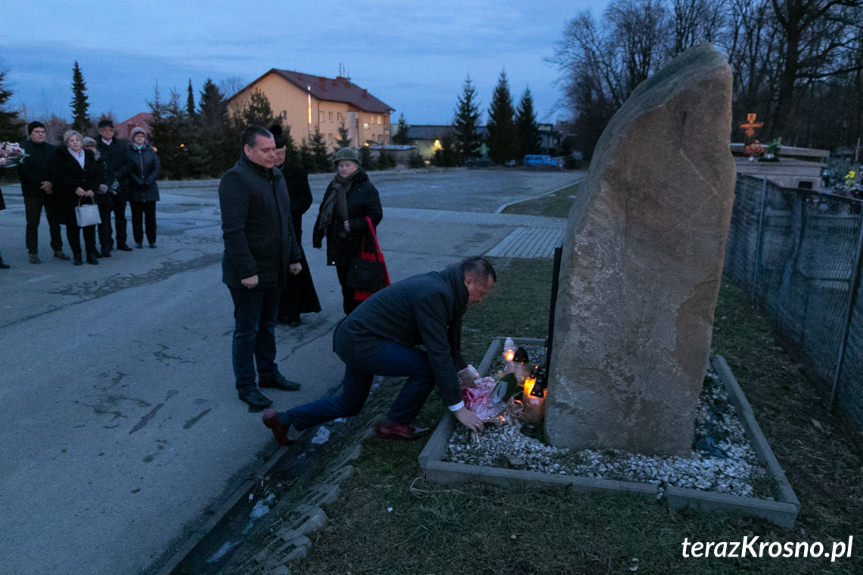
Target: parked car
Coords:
[(542, 161), (481, 162)]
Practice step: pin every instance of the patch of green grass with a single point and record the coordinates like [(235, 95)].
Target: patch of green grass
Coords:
[(390, 520), (554, 205)]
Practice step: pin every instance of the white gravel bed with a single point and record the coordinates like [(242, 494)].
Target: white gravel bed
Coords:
[(722, 459)]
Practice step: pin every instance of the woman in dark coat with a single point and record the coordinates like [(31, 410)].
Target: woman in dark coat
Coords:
[(298, 295), (76, 179), (349, 199), (142, 168)]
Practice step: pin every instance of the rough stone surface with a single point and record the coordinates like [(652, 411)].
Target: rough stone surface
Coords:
[(642, 263)]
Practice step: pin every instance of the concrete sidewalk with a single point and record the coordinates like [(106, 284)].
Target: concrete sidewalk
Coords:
[(121, 425)]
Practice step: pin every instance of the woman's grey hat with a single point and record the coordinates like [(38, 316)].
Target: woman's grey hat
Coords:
[(346, 154)]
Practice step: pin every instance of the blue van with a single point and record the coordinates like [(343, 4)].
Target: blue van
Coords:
[(541, 161)]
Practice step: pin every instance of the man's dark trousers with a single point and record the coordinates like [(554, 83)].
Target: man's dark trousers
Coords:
[(383, 358), (118, 206), (254, 341), (33, 212)]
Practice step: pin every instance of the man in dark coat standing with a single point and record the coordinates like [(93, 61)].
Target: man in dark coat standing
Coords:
[(113, 153), (381, 337), (36, 173), (260, 250)]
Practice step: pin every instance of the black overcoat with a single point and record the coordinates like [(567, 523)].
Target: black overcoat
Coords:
[(363, 201), (38, 167), (69, 176), (256, 225), (142, 167)]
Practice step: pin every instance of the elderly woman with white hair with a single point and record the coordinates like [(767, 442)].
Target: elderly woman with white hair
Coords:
[(76, 182)]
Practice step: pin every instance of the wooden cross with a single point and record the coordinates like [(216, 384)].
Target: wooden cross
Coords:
[(750, 125)]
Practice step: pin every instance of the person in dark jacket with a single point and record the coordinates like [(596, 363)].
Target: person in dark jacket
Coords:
[(260, 251), (3, 265), (142, 169), (36, 174), (349, 199), (299, 295), (113, 153), (102, 199), (381, 337), (76, 179)]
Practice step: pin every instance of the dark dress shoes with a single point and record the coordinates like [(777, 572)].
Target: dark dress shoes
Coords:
[(77, 260), (279, 429), (256, 400), (124, 248), (4, 265), (60, 255), (91, 259), (399, 431), (279, 382)]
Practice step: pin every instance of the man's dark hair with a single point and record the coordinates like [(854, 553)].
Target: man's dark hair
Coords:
[(251, 133), (478, 266), (105, 123), (33, 125)]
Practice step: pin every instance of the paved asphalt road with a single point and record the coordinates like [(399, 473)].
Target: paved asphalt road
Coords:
[(121, 430)]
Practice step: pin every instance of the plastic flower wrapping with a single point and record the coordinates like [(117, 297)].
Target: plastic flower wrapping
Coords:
[(11, 154)]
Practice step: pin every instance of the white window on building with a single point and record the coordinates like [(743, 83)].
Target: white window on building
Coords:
[(320, 117)]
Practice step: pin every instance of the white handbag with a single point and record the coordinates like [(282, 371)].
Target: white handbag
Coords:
[(87, 215)]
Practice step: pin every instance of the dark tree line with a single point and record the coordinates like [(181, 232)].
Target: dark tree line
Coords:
[(798, 64), (510, 132)]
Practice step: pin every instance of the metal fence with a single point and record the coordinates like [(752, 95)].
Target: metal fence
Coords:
[(799, 254)]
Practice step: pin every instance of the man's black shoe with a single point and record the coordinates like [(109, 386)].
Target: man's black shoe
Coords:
[(256, 400), (279, 382), (124, 248)]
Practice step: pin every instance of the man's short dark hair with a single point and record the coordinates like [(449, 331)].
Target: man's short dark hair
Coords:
[(479, 267), (104, 123), (33, 125), (251, 133)]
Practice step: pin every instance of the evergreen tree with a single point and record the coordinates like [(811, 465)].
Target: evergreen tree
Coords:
[(80, 106), (344, 139), (305, 158), (212, 106), (258, 111), (416, 161), (290, 147), (319, 152), (503, 144), (10, 124), (218, 139), (190, 102), (528, 132), (447, 155), (401, 135), (366, 161), (466, 125), (169, 133)]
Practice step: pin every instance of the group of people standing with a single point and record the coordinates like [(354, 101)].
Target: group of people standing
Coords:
[(108, 172), (262, 199)]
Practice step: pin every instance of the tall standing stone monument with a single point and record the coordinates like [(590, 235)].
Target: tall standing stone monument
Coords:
[(642, 263)]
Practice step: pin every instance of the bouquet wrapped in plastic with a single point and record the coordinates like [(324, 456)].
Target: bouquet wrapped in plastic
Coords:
[(11, 154), (479, 397)]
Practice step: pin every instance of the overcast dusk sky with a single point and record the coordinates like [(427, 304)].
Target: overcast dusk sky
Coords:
[(414, 56)]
